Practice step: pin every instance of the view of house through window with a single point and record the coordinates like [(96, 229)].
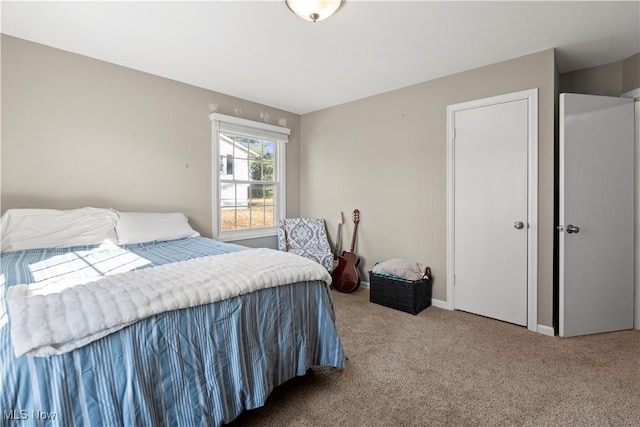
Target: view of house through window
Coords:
[(247, 182)]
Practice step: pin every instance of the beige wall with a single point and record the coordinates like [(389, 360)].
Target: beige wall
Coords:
[(605, 80), (631, 73), (612, 79), (78, 131), (386, 155)]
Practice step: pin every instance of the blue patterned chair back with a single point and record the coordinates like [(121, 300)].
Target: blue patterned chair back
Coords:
[(306, 237)]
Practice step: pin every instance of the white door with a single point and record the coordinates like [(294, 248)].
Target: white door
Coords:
[(490, 221), (596, 214)]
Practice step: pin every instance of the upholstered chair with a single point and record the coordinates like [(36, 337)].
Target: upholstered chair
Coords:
[(306, 237)]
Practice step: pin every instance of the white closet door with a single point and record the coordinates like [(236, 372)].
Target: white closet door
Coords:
[(596, 239)]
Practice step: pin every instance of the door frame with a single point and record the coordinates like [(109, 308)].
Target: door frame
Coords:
[(531, 96)]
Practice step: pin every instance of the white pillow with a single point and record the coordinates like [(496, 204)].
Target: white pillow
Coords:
[(23, 229), (139, 227), (403, 268)]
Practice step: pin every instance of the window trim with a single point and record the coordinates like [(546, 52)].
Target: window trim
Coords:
[(278, 134)]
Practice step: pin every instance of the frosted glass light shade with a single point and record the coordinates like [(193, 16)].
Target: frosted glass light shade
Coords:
[(313, 10)]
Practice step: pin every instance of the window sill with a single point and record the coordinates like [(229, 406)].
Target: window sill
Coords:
[(231, 236)]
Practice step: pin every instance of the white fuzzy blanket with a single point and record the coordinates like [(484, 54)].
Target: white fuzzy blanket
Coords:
[(43, 325)]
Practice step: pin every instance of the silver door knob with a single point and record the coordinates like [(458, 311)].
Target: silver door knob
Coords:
[(572, 229), (519, 225)]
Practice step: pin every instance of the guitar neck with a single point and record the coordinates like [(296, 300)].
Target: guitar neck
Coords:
[(353, 239), (338, 242)]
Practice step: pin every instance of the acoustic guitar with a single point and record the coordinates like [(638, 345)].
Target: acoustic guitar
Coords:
[(346, 277)]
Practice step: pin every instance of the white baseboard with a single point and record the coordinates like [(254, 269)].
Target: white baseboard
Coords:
[(546, 330), (541, 329), (439, 303)]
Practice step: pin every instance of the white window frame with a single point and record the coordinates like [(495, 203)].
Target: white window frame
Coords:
[(258, 130)]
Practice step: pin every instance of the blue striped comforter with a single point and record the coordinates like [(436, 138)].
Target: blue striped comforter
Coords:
[(194, 367)]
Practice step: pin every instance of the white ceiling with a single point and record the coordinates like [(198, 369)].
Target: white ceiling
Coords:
[(260, 51)]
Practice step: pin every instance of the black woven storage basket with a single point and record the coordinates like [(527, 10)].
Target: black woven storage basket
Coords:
[(408, 296)]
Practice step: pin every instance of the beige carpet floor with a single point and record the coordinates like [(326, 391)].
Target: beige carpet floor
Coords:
[(450, 368)]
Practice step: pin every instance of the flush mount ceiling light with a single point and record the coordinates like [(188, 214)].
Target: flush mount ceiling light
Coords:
[(314, 10)]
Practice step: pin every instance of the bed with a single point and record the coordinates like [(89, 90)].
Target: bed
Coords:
[(201, 364)]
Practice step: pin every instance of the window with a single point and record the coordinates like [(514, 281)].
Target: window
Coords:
[(226, 164), (249, 186)]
